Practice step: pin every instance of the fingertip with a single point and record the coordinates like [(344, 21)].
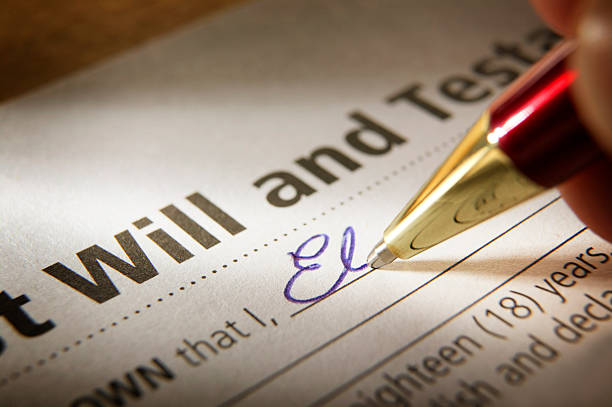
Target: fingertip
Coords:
[(589, 195), (593, 59), (560, 15)]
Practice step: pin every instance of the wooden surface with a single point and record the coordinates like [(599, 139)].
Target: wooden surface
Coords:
[(41, 40)]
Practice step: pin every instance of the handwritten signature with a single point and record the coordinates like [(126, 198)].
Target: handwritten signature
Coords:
[(346, 257)]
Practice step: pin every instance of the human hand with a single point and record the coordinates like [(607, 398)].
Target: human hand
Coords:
[(589, 193)]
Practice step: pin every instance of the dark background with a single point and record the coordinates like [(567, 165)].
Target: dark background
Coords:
[(41, 40)]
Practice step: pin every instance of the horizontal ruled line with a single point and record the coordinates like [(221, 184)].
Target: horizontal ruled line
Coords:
[(273, 376), (342, 388), (438, 275)]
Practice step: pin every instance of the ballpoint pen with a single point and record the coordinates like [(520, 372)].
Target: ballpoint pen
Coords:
[(528, 140)]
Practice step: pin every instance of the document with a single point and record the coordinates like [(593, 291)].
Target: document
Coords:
[(187, 223)]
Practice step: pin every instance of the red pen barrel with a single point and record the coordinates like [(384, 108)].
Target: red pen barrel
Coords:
[(535, 122)]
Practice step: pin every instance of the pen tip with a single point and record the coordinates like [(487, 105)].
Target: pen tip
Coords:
[(380, 256)]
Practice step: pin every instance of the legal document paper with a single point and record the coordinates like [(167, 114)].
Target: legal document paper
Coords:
[(188, 222)]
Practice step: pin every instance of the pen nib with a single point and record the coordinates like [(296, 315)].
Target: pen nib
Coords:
[(380, 256)]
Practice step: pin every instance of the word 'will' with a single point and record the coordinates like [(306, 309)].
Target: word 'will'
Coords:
[(103, 289)]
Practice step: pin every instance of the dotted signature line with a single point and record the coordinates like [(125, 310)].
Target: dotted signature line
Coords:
[(15, 375)]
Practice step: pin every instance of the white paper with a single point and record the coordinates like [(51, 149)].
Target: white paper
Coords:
[(215, 107)]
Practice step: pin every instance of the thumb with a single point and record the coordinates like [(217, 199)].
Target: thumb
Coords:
[(593, 59), (589, 193)]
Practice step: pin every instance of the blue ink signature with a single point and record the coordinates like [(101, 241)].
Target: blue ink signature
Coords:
[(346, 256)]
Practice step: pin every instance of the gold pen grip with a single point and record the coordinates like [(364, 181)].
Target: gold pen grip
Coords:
[(476, 182)]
